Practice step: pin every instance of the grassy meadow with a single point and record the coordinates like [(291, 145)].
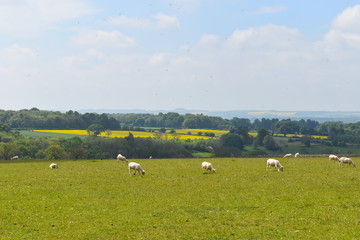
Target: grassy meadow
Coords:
[(312, 199)]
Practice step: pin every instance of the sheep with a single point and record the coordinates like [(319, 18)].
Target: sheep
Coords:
[(206, 166), (136, 167), (333, 157), (274, 163), (297, 155), (287, 155), (54, 165), (121, 158), (346, 160), (15, 157)]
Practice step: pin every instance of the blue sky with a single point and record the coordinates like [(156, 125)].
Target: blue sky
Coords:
[(195, 54)]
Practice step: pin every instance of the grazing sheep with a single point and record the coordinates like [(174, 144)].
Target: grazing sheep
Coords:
[(297, 155), (274, 163), (346, 160), (206, 166), (150, 157), (121, 158), (15, 157), (333, 157), (54, 165), (136, 167), (287, 155)]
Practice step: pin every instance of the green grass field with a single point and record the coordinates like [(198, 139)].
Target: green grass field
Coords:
[(312, 199)]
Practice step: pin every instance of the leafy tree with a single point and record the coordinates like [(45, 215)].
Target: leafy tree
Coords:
[(54, 152), (270, 144), (7, 150), (243, 132), (262, 133), (306, 140), (232, 140), (95, 129), (74, 147), (5, 128)]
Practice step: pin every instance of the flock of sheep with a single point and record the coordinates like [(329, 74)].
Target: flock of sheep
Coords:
[(208, 167), (276, 163)]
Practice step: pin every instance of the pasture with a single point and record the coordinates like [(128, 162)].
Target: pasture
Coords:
[(312, 199)]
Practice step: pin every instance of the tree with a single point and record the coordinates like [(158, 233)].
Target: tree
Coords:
[(270, 144), (54, 152), (7, 150), (262, 133), (306, 140), (95, 129), (244, 133), (232, 140)]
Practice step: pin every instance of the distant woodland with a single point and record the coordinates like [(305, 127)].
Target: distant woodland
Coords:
[(237, 142)]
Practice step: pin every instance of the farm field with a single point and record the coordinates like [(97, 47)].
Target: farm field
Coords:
[(182, 135), (312, 199), (179, 134)]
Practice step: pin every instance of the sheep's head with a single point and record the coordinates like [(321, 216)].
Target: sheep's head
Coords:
[(281, 168), (143, 172), (354, 164), (213, 170)]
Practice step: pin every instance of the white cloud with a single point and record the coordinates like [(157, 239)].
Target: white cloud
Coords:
[(158, 58), (269, 36), (158, 21), (344, 36), (348, 20), (103, 39), (17, 54), (270, 10), (30, 17), (166, 21), (209, 40)]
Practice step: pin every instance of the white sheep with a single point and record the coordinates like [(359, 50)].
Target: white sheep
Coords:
[(346, 160), (136, 167), (121, 158), (15, 157), (297, 155), (54, 165), (274, 163), (287, 155), (333, 157), (206, 166)]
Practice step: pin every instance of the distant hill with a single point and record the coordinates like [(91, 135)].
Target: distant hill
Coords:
[(320, 116)]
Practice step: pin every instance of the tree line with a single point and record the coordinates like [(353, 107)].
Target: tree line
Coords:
[(92, 147), (43, 119)]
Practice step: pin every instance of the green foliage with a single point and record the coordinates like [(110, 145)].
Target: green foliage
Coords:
[(54, 152), (232, 140), (40, 119), (7, 150), (270, 144), (262, 133), (95, 129)]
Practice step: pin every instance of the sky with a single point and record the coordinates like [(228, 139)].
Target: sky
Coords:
[(284, 55)]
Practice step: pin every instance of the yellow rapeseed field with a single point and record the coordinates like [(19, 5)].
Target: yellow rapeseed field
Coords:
[(181, 134), (122, 134)]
